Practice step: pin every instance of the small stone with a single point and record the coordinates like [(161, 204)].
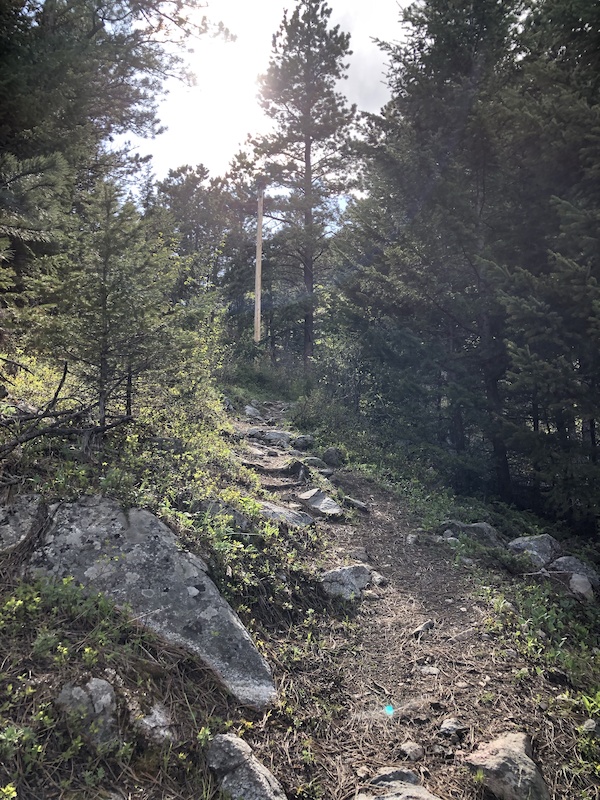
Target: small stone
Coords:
[(426, 626), (461, 685), (319, 503), (377, 579), (412, 539), (412, 750), (512, 654), (387, 776), (589, 726), (346, 582), (452, 726), (352, 502), (241, 774), (252, 412), (427, 670)]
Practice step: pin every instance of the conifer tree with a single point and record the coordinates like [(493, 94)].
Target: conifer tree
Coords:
[(105, 300), (307, 155)]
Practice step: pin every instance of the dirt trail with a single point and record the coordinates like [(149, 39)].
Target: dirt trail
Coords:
[(376, 684)]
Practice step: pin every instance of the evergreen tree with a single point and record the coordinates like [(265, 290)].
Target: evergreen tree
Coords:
[(307, 155), (105, 300)]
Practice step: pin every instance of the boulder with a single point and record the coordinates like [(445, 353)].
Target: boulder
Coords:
[(303, 442), (314, 462), (252, 412), (334, 457), (320, 503), (346, 582), (275, 513), (91, 712), (508, 769), (573, 566), (134, 559), (540, 550), (581, 587), (277, 438), (241, 775), (20, 520), (481, 532)]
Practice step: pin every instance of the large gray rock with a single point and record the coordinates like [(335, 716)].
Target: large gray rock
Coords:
[(134, 559), (20, 520), (277, 438), (303, 442), (581, 587), (481, 532), (508, 770), (334, 457), (573, 566), (275, 513), (541, 550), (319, 503), (91, 712), (241, 774), (346, 582)]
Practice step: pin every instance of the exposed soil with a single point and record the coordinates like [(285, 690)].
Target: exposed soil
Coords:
[(372, 683)]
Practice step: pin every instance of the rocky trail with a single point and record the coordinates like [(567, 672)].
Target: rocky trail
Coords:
[(397, 662), (431, 701)]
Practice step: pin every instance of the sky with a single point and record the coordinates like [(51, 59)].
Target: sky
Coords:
[(208, 123)]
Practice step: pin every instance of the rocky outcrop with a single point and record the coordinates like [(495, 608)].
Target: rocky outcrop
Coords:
[(135, 559), (508, 769), (241, 775)]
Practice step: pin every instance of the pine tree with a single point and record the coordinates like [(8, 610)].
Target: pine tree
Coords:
[(105, 300), (307, 155)]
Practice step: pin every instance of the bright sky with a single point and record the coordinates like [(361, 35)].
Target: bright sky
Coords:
[(209, 122)]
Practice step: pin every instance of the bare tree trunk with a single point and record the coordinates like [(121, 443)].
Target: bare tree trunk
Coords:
[(309, 258)]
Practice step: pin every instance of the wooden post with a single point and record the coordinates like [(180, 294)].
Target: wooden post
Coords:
[(258, 275)]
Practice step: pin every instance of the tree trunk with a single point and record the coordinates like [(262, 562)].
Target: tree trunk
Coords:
[(309, 258)]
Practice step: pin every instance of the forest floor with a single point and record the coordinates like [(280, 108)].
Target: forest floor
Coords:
[(365, 684)]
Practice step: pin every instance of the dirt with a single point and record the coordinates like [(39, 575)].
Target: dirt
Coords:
[(372, 683)]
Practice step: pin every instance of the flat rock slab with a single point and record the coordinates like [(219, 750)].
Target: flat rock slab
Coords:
[(320, 503), (288, 516), (134, 559), (508, 770), (241, 774), (541, 550), (20, 520)]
